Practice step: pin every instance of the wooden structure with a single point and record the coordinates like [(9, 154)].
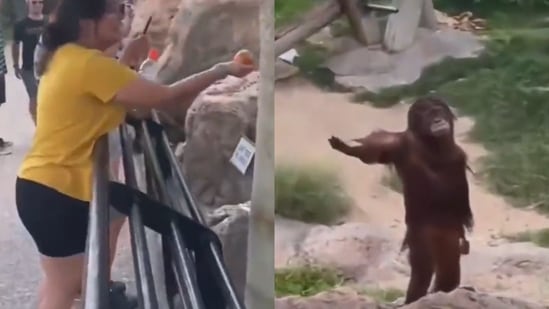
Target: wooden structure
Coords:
[(406, 16)]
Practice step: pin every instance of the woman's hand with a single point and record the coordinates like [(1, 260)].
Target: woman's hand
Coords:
[(236, 69), (136, 51)]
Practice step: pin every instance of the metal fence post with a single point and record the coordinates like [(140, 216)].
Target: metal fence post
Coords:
[(97, 274)]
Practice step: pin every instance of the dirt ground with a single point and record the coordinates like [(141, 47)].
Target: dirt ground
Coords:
[(306, 117)]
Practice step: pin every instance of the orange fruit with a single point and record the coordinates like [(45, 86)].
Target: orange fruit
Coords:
[(244, 56)]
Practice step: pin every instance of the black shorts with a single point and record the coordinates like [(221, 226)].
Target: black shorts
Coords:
[(57, 223), (2, 89)]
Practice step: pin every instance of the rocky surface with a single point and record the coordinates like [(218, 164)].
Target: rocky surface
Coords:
[(458, 299), (203, 33), (230, 222), (373, 69), (193, 35), (373, 257), (216, 121), (369, 251)]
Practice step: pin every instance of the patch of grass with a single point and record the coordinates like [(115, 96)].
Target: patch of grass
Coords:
[(539, 237), (341, 27), (310, 61), (310, 193), (288, 11), (391, 180), (387, 295), (306, 280)]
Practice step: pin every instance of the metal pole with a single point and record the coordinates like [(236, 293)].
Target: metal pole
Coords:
[(142, 261), (227, 285), (188, 287), (98, 257)]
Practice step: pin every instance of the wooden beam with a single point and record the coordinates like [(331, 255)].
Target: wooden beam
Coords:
[(428, 18), (314, 21), (354, 14)]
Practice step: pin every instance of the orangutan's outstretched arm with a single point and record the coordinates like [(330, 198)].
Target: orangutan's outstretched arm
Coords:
[(378, 147)]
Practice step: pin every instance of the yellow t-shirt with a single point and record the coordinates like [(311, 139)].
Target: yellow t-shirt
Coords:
[(74, 109)]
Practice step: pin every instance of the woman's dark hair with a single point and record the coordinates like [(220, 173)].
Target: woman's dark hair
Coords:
[(65, 26)]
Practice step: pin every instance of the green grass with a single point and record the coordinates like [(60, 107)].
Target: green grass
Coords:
[(310, 193), (306, 280), (310, 61), (386, 295), (288, 11), (539, 237)]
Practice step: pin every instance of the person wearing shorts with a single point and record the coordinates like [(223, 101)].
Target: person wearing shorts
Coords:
[(26, 34), (84, 94)]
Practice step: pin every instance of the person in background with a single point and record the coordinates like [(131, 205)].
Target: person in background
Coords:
[(5, 146), (26, 33), (84, 94)]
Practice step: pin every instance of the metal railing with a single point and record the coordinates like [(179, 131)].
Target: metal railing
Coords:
[(195, 275)]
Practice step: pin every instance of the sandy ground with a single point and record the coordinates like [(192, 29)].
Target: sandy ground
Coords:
[(306, 117)]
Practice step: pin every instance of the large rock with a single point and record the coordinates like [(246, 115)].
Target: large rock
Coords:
[(374, 69), (458, 299), (371, 253), (194, 35), (216, 121), (465, 299), (204, 32), (162, 13), (338, 298), (231, 223)]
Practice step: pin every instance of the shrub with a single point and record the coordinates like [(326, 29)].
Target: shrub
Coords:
[(306, 280), (310, 193)]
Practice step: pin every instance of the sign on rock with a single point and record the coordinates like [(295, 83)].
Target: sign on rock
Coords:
[(243, 155)]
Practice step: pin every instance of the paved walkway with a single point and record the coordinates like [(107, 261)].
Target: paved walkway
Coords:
[(19, 269)]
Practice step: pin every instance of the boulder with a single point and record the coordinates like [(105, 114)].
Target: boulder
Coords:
[(373, 69), (466, 299), (194, 35), (231, 222), (162, 13), (337, 298), (458, 299), (215, 122), (205, 32), (371, 253)]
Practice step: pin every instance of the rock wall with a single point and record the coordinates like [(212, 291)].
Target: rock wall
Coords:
[(231, 223), (216, 121), (458, 299), (196, 34)]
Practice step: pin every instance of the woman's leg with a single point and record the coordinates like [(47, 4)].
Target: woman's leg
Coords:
[(62, 281), (58, 225), (114, 232)]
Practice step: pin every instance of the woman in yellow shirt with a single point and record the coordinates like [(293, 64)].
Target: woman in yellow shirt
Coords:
[(83, 94)]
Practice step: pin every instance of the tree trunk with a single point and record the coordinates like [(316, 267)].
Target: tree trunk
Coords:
[(260, 269), (402, 26), (428, 18)]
